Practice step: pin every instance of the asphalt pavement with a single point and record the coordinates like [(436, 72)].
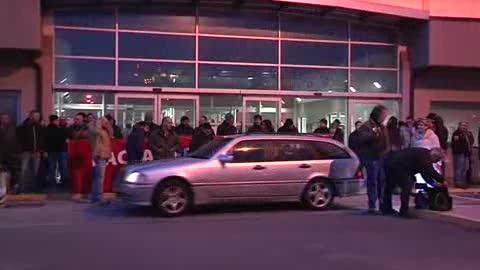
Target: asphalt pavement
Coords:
[(66, 235)]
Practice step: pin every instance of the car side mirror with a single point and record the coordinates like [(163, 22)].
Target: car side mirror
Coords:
[(225, 159)]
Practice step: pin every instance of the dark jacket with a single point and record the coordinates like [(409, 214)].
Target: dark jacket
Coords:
[(200, 137), (410, 161), (287, 129), (117, 132), (55, 139), (395, 139), (322, 130), (462, 142), (371, 141), (442, 134), (78, 132), (8, 142), (184, 130), (226, 129), (339, 135), (135, 145), (30, 137), (255, 129), (163, 145)]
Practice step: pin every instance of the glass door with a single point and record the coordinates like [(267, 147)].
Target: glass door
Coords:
[(176, 106), (133, 108), (268, 108), (360, 110)]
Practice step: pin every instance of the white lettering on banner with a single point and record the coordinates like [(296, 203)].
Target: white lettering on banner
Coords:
[(121, 158)]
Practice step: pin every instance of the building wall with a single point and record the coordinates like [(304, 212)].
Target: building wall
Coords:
[(20, 78), (454, 8), (20, 24)]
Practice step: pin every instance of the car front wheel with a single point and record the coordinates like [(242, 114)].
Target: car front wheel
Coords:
[(318, 195), (172, 198)]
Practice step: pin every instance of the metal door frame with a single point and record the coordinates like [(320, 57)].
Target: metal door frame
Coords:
[(195, 98), (137, 96), (268, 99)]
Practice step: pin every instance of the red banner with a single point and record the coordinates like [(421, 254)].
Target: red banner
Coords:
[(81, 163)]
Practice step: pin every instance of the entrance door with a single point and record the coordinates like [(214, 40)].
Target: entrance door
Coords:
[(176, 106), (360, 109), (268, 108), (133, 108)]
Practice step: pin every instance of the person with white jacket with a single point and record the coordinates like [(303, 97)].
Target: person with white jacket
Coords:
[(424, 137)]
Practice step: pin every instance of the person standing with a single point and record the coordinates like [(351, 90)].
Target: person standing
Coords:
[(424, 137), (257, 124), (8, 148), (184, 129), (371, 144), (394, 136), (79, 129), (407, 132), (462, 142), (202, 136), (101, 142), (441, 131), (323, 127), (30, 140), (164, 142), (288, 127), (136, 142), (227, 127), (56, 147), (358, 124), (117, 131), (337, 131), (267, 126)]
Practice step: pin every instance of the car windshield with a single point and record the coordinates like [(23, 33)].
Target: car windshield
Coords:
[(207, 151)]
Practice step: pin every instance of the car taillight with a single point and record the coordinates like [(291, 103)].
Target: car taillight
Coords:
[(359, 174)]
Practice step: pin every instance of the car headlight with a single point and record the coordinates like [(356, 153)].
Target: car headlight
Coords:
[(135, 178)]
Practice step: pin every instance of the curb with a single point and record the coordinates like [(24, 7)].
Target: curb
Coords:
[(469, 223), (35, 199)]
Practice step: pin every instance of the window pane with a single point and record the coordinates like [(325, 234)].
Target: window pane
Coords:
[(312, 53), (314, 79), (292, 150), (330, 151), (133, 45), (67, 104), (136, 73), (241, 77), (80, 71), (373, 34), (165, 20), (86, 43), (238, 50), (313, 28), (374, 81), (215, 107), (374, 56), (85, 18), (250, 151), (240, 23), (307, 112)]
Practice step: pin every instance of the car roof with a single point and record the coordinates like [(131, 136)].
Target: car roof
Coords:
[(301, 136)]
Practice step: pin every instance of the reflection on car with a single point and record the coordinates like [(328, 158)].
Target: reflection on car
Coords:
[(247, 168)]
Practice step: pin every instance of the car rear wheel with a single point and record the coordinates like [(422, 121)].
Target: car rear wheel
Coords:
[(318, 195), (172, 198)]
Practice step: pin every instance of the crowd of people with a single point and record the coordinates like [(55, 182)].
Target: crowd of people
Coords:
[(35, 148)]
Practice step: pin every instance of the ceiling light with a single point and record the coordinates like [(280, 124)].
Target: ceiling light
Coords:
[(377, 85), (298, 99), (250, 78), (352, 89), (329, 91), (64, 80)]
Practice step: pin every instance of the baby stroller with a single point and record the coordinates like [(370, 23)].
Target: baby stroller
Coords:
[(431, 197)]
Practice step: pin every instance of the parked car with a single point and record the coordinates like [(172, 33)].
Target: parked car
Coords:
[(246, 168)]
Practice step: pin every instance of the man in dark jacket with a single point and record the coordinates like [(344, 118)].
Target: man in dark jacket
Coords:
[(462, 142), (227, 127), (371, 144), (30, 141), (184, 129), (323, 127), (117, 131), (288, 127), (202, 136), (338, 133), (400, 169), (56, 147), (136, 142), (257, 125), (79, 129), (164, 142)]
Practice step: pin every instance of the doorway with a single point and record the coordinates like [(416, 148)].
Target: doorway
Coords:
[(268, 107)]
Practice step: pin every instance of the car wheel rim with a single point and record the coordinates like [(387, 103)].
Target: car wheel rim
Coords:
[(174, 200), (319, 195)]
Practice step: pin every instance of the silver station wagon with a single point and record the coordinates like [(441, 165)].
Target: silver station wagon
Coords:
[(246, 168)]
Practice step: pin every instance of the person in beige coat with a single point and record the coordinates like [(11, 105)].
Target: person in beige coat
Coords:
[(101, 142)]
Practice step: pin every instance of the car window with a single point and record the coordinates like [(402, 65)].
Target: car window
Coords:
[(325, 150), (208, 150), (250, 151), (292, 151)]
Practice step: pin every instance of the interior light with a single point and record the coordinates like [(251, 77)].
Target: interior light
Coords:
[(377, 85), (250, 78), (329, 91), (64, 80), (352, 89), (298, 99)]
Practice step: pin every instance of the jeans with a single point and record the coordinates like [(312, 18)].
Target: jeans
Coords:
[(374, 182), (461, 163), (30, 163), (98, 177), (57, 159)]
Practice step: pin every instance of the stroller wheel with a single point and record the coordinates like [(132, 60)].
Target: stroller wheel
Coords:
[(441, 201)]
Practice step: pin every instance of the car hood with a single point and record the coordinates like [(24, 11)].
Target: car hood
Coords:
[(164, 164)]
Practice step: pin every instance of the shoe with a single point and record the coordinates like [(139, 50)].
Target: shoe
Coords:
[(390, 212), (371, 212), (406, 215)]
